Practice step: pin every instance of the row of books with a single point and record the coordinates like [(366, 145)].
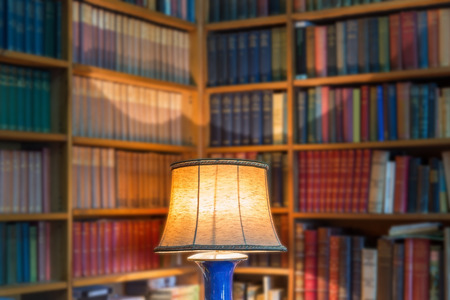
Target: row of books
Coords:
[(24, 99), (399, 111), (259, 290), (247, 56), (225, 10), (309, 5), (106, 178), (277, 175), (402, 41), (32, 26), (361, 181), (114, 41), (256, 118), (25, 181), (105, 109), (330, 264), (179, 9), (108, 247), (25, 252)]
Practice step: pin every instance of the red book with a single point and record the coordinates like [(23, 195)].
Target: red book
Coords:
[(302, 181), (310, 264), (336, 180), (365, 180), (417, 268), (365, 113), (333, 287), (263, 8), (342, 183), (323, 179), (85, 250), (115, 249), (108, 256), (433, 38), (101, 247), (316, 182), (76, 263), (321, 50), (349, 180), (357, 181), (284, 236), (128, 241), (135, 243), (328, 187), (184, 9), (149, 245), (309, 180), (299, 5), (323, 261), (141, 245), (156, 224), (395, 42), (93, 247), (401, 184), (409, 40), (325, 114)]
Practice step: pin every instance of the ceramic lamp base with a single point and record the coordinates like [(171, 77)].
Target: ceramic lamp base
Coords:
[(218, 269)]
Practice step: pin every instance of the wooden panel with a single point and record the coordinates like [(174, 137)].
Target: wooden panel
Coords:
[(33, 217), (260, 148), (248, 23), (262, 271), (282, 85), (30, 60), (102, 213), (143, 13), (31, 288), (26, 136)]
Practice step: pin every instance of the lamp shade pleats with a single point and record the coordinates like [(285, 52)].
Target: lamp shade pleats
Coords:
[(219, 204)]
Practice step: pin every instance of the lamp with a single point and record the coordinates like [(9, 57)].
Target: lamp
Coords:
[(219, 207)]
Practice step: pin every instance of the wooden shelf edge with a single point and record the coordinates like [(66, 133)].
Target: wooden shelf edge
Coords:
[(129, 145), (93, 213), (34, 217), (279, 85), (32, 288), (371, 8), (279, 210), (421, 143), (115, 278), (144, 13), (110, 75), (31, 60), (262, 271), (374, 77), (28, 136), (247, 23), (374, 217), (260, 148)]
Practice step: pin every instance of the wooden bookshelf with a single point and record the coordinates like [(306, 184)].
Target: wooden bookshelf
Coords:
[(260, 148), (34, 217), (34, 137), (281, 85), (31, 60), (248, 23), (262, 271), (122, 212), (17, 289), (413, 217)]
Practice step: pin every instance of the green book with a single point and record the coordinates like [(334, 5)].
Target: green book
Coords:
[(33, 253), (37, 104), (283, 46), (383, 29), (3, 97), (28, 103), (20, 99), (373, 114), (356, 115), (311, 115), (11, 253), (46, 99), (12, 98)]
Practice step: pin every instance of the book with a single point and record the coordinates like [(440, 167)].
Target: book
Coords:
[(369, 273)]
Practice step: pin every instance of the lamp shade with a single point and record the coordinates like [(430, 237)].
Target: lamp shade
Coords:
[(219, 204)]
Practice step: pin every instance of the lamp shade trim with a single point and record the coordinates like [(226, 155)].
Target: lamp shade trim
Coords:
[(221, 161), (245, 248)]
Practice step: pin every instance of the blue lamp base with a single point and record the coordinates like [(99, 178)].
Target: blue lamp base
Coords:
[(218, 272)]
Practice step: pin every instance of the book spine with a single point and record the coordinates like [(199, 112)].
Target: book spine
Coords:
[(232, 58), (216, 120), (331, 50), (409, 39), (254, 69), (395, 42), (310, 52), (433, 37), (422, 38), (377, 180), (369, 274), (383, 32), (333, 289), (356, 257), (384, 269), (265, 47), (374, 65), (246, 119), (227, 119), (423, 189), (243, 58), (268, 117), (256, 117), (352, 46), (237, 119), (310, 264)]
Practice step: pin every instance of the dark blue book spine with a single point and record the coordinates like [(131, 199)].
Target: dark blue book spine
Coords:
[(331, 51), (318, 112), (352, 46), (392, 112), (413, 180), (302, 117), (20, 25), (374, 59), (11, 29), (415, 99), (246, 119), (254, 57), (274, 7), (423, 190), (232, 58), (214, 11), (216, 121), (380, 113), (434, 186), (3, 97), (267, 118), (252, 8), (3, 24), (237, 119), (243, 61), (256, 110), (19, 251), (227, 120), (423, 111), (29, 27), (212, 60), (39, 27), (243, 9), (49, 29), (26, 251), (422, 31), (277, 179), (58, 21), (300, 53), (2, 253), (233, 9), (365, 67), (265, 48), (225, 10), (432, 113), (191, 11), (222, 62)]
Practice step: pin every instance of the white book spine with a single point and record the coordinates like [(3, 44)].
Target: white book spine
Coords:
[(369, 274), (389, 188), (377, 181)]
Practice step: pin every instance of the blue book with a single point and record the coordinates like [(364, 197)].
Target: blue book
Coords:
[(11, 30), (3, 24), (191, 11), (11, 253), (20, 25), (222, 60), (212, 60), (422, 38), (227, 120), (265, 48), (364, 65), (232, 58), (275, 7), (374, 59), (29, 27), (352, 46), (237, 119), (214, 11), (20, 100), (414, 117), (19, 251), (243, 10), (216, 120), (2, 253), (4, 70), (432, 113), (46, 99), (13, 109), (256, 115), (225, 10), (423, 111), (233, 9), (39, 27), (243, 60), (380, 113), (318, 114), (37, 100), (423, 189), (26, 251), (252, 8), (392, 112), (267, 118), (302, 117), (49, 29), (434, 185), (58, 21), (413, 180), (443, 205), (167, 7), (254, 57), (246, 119)]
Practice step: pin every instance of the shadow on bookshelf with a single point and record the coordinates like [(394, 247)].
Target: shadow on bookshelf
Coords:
[(32, 288)]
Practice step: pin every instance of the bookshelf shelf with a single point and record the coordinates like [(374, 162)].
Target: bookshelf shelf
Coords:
[(144, 13), (102, 213), (422, 143), (247, 23), (110, 75), (262, 271), (128, 145), (32, 288), (281, 85), (374, 77), (280, 210), (115, 278), (34, 217), (26, 136), (31, 60), (373, 217), (260, 148), (364, 9)]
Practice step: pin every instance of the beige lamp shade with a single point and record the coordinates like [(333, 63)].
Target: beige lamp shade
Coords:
[(219, 204)]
